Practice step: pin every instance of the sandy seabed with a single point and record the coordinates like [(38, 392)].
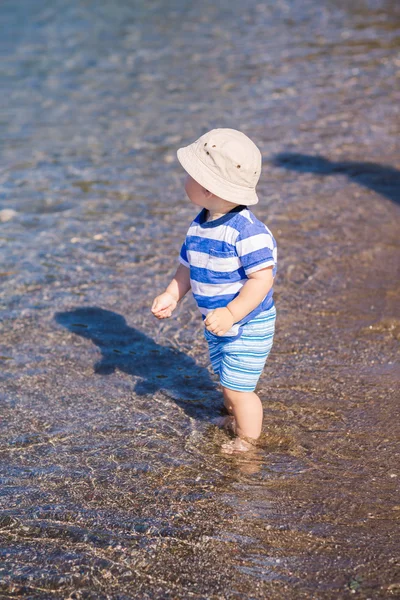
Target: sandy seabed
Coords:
[(112, 483)]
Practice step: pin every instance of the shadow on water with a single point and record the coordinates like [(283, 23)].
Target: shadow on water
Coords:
[(383, 179), (131, 351)]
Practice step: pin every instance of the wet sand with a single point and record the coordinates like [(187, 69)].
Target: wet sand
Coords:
[(112, 483)]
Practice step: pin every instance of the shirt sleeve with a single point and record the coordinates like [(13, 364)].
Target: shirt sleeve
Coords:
[(256, 249), (183, 259)]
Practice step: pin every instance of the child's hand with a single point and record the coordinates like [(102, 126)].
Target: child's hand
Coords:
[(163, 306), (219, 321)]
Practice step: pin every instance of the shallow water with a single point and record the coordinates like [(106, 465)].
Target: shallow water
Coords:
[(112, 483)]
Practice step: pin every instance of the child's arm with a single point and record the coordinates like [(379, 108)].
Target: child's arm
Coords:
[(220, 320), (164, 305)]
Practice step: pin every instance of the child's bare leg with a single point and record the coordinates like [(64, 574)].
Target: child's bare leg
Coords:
[(247, 410), (248, 413), (227, 403), (227, 421)]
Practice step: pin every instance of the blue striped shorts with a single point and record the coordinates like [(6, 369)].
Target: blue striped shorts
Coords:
[(239, 363)]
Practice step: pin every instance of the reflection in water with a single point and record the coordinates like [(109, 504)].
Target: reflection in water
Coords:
[(383, 179), (127, 349), (115, 493)]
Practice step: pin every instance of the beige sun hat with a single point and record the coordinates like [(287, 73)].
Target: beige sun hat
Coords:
[(226, 162)]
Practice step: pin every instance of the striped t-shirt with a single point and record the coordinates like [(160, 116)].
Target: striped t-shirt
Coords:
[(221, 254)]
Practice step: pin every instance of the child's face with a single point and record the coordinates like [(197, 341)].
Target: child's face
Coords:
[(196, 193)]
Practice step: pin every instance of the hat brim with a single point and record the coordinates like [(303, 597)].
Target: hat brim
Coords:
[(226, 190)]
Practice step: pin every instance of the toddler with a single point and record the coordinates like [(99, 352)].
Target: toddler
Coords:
[(228, 260)]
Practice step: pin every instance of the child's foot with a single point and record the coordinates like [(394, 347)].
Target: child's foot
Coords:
[(228, 423), (235, 446)]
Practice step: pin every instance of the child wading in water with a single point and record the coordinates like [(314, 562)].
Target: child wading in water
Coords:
[(229, 261)]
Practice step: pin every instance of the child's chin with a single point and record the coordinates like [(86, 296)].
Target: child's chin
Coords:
[(196, 203)]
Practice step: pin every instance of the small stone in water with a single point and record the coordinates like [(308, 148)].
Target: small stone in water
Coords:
[(7, 214)]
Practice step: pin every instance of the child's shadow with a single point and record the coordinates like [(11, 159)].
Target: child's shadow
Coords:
[(383, 179), (158, 367)]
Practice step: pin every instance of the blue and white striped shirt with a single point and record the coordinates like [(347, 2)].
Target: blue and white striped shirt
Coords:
[(221, 254)]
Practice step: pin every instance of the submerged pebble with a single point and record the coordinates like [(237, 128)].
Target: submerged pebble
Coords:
[(113, 483), (6, 214)]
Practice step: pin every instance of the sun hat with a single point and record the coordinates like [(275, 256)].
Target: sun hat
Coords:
[(226, 162)]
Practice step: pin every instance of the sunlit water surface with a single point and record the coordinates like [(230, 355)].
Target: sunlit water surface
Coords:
[(112, 483)]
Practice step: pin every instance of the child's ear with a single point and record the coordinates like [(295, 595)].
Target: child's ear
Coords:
[(207, 193)]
